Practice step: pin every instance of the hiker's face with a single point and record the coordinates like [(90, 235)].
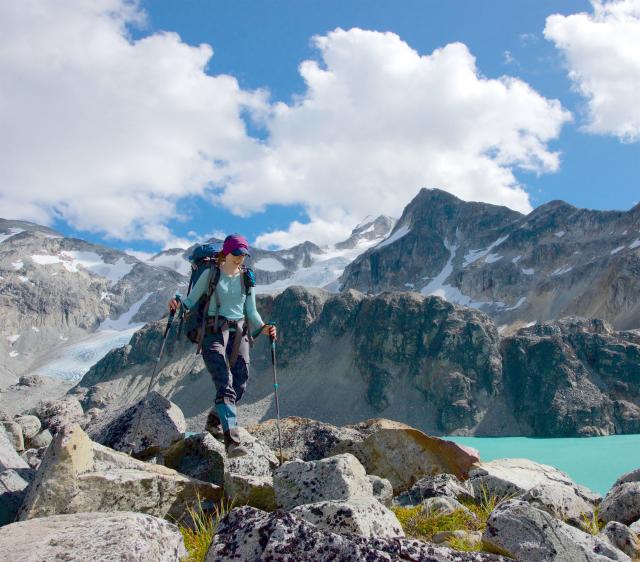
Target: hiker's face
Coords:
[(236, 260)]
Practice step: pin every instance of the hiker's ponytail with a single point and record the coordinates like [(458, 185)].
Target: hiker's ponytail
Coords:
[(220, 257)]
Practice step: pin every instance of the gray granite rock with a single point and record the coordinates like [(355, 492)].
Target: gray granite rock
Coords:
[(622, 503), (30, 426), (199, 456), (41, 440), (519, 530), (14, 434), (382, 489), (437, 485), (443, 505), (256, 491), (13, 486), (260, 460), (247, 533), (107, 537), (340, 477), (55, 414), (9, 458)]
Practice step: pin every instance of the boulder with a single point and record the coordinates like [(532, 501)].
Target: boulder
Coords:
[(14, 434), (303, 438), (77, 475), (31, 380), (162, 424), (364, 516), (622, 502), (403, 454), (542, 485), (622, 537), (247, 533), (528, 534), (382, 489), (30, 426), (260, 460), (13, 486), (9, 458), (41, 440), (439, 485), (55, 414), (32, 457), (443, 505), (107, 537), (199, 456), (635, 527), (341, 477), (256, 491)]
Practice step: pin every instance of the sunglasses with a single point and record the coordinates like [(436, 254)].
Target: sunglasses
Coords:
[(238, 252)]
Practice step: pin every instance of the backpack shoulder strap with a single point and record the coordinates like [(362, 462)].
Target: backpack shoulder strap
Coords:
[(214, 277)]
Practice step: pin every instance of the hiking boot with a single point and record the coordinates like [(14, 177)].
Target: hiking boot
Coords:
[(235, 450), (214, 426)]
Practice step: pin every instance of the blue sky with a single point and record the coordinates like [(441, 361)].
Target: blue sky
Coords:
[(182, 140)]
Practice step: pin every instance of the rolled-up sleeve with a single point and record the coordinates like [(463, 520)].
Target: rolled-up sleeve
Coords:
[(255, 320)]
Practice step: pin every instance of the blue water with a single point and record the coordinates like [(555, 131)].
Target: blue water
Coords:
[(594, 462)]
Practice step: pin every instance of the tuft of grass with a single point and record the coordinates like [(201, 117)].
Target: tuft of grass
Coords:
[(464, 545), (593, 524), (199, 534)]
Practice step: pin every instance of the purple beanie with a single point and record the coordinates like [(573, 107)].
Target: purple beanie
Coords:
[(235, 242)]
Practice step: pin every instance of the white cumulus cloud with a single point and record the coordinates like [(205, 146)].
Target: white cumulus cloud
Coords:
[(602, 54)]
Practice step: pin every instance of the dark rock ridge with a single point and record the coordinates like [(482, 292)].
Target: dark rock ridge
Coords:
[(556, 261), (420, 360)]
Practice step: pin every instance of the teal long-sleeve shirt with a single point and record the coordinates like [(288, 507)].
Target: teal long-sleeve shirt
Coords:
[(232, 299)]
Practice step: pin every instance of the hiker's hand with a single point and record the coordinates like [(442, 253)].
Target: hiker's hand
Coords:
[(269, 330), (174, 304)]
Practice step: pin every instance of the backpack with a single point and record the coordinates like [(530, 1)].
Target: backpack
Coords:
[(203, 260)]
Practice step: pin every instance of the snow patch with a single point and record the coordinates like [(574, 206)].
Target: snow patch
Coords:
[(13, 339), (516, 259), (520, 302), (269, 264), (18, 265), (402, 231), (13, 354), (528, 271), (560, 233), (174, 262), (123, 322), (475, 255), (562, 270), (11, 232), (635, 244), (44, 259), (492, 258), (617, 250), (24, 279), (72, 260)]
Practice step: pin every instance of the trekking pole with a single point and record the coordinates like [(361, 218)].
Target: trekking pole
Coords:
[(153, 376), (275, 387)]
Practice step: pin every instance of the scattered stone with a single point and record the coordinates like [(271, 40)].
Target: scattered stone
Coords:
[(622, 502), (31, 380), (303, 438), (256, 491), (13, 486), (14, 434), (403, 454), (41, 440), (247, 533), (341, 477), (199, 456), (32, 457), (9, 458), (623, 538), (364, 516), (161, 425), (439, 485), (441, 506), (30, 426), (77, 475), (517, 529), (55, 414), (382, 489), (108, 537)]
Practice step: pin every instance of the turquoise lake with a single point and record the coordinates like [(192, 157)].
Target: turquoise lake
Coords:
[(594, 462)]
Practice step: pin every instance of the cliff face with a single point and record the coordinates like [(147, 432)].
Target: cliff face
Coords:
[(420, 360), (556, 261)]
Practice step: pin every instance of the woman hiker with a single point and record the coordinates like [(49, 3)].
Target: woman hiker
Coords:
[(228, 364)]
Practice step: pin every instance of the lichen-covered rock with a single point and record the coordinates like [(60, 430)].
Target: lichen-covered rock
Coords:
[(199, 456), (41, 440), (403, 454), (302, 438), (439, 485), (542, 485), (108, 537), (364, 516), (529, 534), (30, 426), (443, 505), (622, 502), (260, 460), (247, 533), (382, 489), (9, 458), (162, 424), (31, 380), (623, 538), (55, 414), (256, 491), (14, 434), (340, 477), (77, 475), (472, 538)]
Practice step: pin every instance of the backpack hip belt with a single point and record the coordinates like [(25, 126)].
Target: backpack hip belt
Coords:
[(223, 325)]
